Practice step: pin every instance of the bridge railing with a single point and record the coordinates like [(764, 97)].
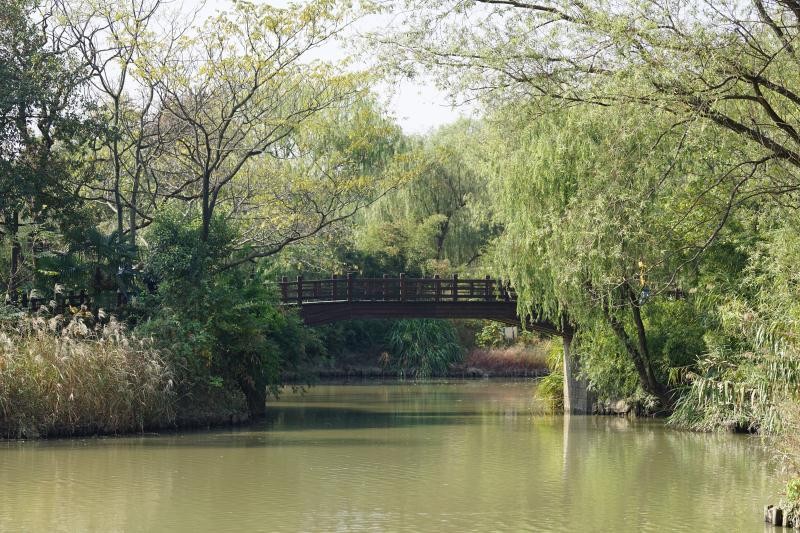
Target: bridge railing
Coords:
[(398, 289)]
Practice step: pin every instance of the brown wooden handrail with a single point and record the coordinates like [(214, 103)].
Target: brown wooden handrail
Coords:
[(399, 289)]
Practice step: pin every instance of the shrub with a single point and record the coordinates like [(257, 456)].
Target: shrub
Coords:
[(220, 324), (491, 336)]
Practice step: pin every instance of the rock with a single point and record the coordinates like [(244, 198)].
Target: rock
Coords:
[(776, 516), (620, 407), (474, 372)]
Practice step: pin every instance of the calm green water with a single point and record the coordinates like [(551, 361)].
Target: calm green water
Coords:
[(433, 457)]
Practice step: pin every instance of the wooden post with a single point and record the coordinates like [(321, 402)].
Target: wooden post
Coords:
[(385, 287), (299, 290), (437, 287), (349, 287), (454, 289), (487, 289), (284, 289), (402, 287)]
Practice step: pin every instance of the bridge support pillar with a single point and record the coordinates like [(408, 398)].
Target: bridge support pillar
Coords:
[(578, 399)]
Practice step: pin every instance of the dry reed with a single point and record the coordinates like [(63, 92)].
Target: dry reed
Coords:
[(517, 359), (61, 377)]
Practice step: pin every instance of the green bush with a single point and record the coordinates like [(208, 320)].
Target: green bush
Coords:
[(491, 335), (550, 389), (220, 325)]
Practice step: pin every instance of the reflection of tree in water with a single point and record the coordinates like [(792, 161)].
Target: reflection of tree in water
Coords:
[(614, 467)]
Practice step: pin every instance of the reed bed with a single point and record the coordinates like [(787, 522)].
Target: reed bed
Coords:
[(518, 359), (62, 377)]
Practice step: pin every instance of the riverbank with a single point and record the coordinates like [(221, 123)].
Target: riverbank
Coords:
[(110, 384)]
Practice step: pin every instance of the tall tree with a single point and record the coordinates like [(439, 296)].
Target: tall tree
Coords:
[(40, 89), (440, 219), (237, 91), (115, 40), (599, 218)]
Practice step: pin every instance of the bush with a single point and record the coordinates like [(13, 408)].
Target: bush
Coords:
[(220, 325), (65, 379), (491, 335)]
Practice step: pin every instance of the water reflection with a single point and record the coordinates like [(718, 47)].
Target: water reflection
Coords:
[(445, 457)]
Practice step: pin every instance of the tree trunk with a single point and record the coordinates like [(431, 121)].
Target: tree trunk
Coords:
[(578, 400), (16, 253), (206, 209), (644, 350), (256, 397), (640, 360), (134, 204)]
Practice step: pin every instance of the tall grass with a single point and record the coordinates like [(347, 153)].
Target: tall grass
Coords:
[(62, 377), (550, 391), (423, 347)]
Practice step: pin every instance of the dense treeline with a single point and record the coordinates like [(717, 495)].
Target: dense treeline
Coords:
[(171, 162), (645, 159), (634, 173)]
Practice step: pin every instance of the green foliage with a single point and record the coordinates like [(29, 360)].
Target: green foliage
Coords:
[(550, 389), (752, 367), (221, 326), (491, 335), (605, 364), (354, 336), (43, 130), (438, 219), (424, 347)]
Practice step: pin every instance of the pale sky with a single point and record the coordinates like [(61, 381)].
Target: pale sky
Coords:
[(417, 105)]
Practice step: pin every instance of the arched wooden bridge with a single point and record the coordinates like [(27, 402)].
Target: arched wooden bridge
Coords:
[(323, 301)]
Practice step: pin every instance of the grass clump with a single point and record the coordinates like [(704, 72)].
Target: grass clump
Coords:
[(61, 376), (550, 390)]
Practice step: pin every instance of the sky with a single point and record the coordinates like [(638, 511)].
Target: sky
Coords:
[(417, 105)]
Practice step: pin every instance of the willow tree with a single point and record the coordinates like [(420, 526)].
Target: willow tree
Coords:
[(439, 219), (732, 63), (599, 219)]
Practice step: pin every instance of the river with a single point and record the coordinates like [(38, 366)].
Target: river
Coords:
[(461, 456)]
